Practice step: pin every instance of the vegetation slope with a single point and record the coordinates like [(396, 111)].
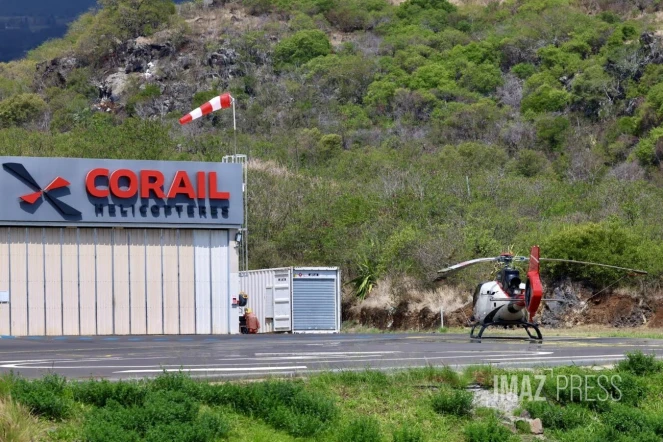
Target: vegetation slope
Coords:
[(386, 139)]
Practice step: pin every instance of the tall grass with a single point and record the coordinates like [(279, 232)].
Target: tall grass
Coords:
[(17, 424)]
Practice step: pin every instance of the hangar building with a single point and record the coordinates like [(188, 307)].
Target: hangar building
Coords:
[(101, 247)]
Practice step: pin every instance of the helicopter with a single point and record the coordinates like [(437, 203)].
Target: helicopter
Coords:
[(508, 301)]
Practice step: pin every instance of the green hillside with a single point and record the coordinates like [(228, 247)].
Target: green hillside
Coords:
[(386, 139)]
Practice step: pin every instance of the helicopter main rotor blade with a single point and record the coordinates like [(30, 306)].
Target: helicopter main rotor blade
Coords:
[(451, 269), (571, 261)]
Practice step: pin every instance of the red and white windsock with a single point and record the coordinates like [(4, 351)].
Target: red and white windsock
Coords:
[(223, 101)]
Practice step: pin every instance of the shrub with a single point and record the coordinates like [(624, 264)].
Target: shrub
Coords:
[(640, 364), (523, 70), (551, 131), (558, 417), (133, 19), (20, 109), (408, 434), (649, 152), (301, 47), (49, 397), (166, 414), (168, 406), (530, 163), (608, 243), (348, 16), (628, 389), (207, 427), (545, 99), (283, 405), (456, 402), (98, 393), (118, 21), (488, 431), (361, 429), (180, 382), (625, 419), (483, 78), (523, 427)]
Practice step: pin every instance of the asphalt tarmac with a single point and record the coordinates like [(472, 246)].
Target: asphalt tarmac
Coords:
[(250, 356)]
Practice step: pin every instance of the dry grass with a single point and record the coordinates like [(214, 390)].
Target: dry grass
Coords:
[(390, 292), (17, 424), (211, 22), (268, 166)]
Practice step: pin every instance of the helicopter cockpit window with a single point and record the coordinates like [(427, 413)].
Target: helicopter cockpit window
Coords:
[(511, 280)]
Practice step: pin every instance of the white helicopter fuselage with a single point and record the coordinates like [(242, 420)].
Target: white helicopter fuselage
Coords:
[(493, 304)]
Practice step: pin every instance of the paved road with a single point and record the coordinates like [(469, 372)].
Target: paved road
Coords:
[(260, 355)]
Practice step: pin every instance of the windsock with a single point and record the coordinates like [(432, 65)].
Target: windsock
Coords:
[(223, 101)]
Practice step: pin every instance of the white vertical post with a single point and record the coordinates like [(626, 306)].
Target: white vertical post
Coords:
[(441, 317)]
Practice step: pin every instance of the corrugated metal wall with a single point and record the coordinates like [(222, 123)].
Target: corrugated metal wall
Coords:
[(87, 281), (262, 286)]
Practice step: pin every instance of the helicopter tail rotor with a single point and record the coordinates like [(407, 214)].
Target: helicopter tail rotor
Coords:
[(534, 288)]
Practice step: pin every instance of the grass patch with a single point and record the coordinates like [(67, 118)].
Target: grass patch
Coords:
[(408, 433), (454, 402), (415, 405), (556, 416), (361, 429), (489, 430)]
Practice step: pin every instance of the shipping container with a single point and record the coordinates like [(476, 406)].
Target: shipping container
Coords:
[(294, 299)]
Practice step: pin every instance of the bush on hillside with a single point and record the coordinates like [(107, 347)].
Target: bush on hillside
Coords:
[(607, 243), (135, 18), (545, 99), (121, 20), (301, 47), (20, 109)]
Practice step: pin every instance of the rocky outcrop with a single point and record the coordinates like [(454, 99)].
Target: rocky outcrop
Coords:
[(54, 73), (557, 314), (136, 54), (114, 87)]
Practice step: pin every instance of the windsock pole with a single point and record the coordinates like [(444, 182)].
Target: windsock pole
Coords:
[(225, 101)]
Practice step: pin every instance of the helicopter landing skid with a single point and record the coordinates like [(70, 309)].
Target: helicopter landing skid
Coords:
[(526, 325)]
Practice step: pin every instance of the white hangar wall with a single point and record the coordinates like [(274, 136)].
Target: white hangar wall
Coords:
[(104, 281)]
